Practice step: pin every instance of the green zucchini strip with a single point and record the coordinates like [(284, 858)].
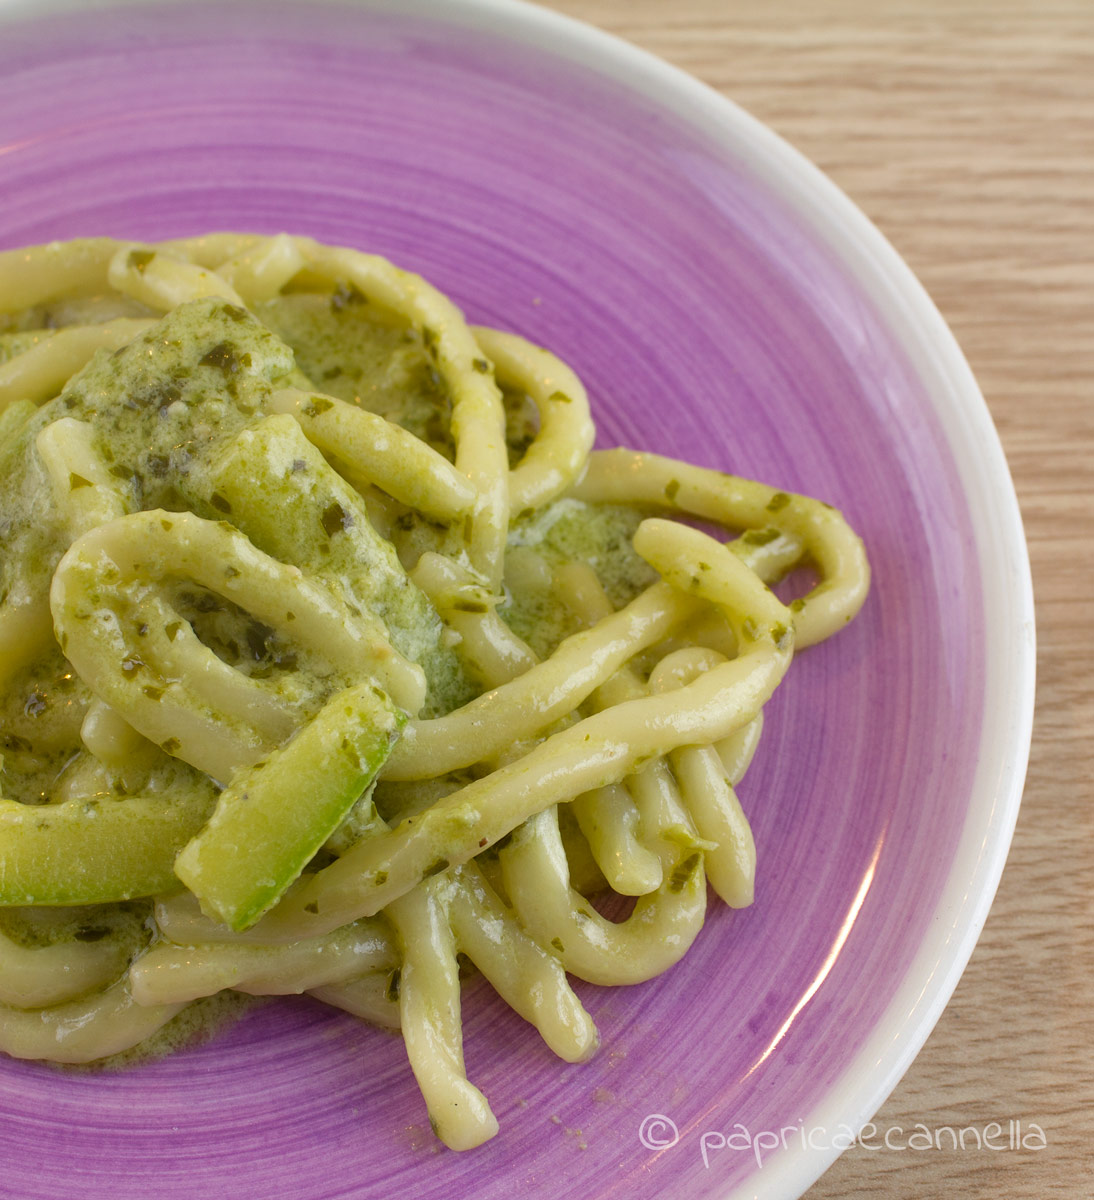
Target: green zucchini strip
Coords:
[(273, 816), (92, 851)]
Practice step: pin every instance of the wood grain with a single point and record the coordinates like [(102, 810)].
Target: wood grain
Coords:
[(965, 131)]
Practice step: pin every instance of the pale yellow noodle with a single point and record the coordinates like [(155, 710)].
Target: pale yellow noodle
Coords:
[(623, 476), (163, 282), (530, 979), (369, 997), (557, 455), (380, 452), (171, 974), (39, 373), (429, 1008), (84, 1030), (85, 493), (44, 976)]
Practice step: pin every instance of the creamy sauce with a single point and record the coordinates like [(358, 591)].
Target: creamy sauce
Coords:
[(164, 411), (125, 923), (349, 349), (569, 531)]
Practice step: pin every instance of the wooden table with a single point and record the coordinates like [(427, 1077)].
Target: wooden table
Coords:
[(965, 130)]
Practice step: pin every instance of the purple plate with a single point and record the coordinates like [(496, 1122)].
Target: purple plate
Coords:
[(724, 303)]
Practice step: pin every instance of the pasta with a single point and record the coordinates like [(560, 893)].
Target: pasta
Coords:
[(332, 654)]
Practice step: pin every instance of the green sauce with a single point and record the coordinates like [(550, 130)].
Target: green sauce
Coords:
[(352, 350), (125, 923), (570, 531), (166, 413)]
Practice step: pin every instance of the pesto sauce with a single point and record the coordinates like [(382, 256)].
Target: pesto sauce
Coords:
[(165, 407), (164, 410), (159, 408), (352, 350), (521, 422), (568, 531), (125, 923), (41, 711)]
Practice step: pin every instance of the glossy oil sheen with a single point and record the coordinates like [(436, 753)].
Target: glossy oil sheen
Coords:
[(708, 321)]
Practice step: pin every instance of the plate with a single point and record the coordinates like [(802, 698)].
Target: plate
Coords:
[(724, 303)]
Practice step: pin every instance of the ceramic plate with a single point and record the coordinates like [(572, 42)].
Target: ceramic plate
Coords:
[(723, 303)]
